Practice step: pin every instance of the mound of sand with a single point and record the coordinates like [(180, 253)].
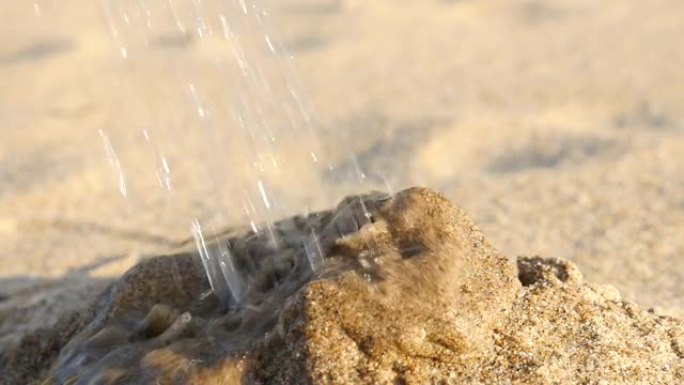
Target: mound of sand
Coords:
[(410, 293)]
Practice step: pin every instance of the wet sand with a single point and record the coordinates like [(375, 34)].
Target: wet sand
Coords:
[(556, 125)]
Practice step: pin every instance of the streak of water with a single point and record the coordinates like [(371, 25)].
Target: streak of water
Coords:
[(114, 162), (314, 252)]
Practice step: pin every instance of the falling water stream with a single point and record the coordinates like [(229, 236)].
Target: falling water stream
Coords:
[(260, 145), (205, 127)]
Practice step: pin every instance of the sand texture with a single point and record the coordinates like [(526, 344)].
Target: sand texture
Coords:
[(411, 294), (557, 125)]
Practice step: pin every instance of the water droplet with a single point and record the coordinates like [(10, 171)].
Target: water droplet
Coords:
[(269, 43)]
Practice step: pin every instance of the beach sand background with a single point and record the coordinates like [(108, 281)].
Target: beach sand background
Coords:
[(557, 125)]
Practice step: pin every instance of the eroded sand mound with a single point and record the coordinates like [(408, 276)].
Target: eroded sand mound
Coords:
[(410, 293)]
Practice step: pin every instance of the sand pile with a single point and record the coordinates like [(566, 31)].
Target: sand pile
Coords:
[(410, 293)]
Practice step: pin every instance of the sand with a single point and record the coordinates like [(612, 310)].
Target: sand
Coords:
[(410, 292), (557, 125)]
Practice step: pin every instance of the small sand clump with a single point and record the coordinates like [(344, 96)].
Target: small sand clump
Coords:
[(410, 292)]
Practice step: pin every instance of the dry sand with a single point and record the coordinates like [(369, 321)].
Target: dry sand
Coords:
[(557, 125)]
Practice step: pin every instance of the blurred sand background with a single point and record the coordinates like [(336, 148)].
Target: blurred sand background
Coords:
[(558, 125)]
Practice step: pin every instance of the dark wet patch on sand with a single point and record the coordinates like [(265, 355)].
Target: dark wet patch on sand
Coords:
[(35, 51), (553, 151)]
